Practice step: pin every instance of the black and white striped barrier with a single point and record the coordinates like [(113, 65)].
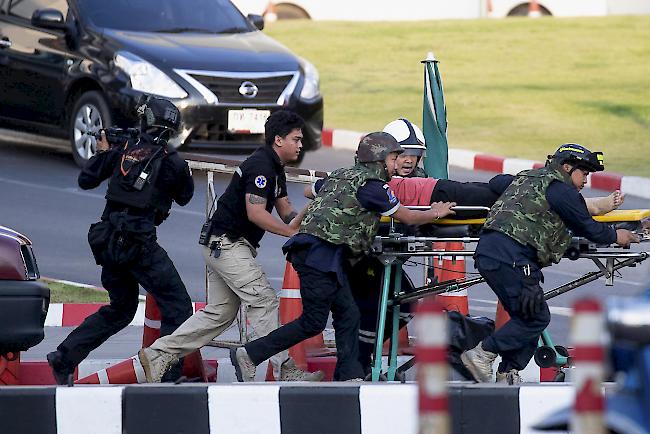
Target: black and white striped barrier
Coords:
[(269, 409)]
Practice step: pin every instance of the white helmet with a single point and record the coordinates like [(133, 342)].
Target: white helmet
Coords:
[(408, 135)]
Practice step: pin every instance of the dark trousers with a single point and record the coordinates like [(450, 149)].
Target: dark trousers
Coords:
[(320, 292), (366, 282), (465, 194), (517, 340), (157, 275)]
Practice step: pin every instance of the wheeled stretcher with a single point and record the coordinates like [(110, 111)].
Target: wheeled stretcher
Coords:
[(395, 248)]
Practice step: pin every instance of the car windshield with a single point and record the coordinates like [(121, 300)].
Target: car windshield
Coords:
[(166, 16)]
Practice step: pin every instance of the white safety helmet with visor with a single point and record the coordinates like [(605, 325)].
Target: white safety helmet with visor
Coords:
[(409, 136)]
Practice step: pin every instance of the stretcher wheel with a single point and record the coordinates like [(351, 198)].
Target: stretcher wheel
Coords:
[(545, 356), (400, 376), (559, 377)]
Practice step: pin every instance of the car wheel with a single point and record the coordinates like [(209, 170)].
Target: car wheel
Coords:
[(290, 12), (89, 114), (522, 11)]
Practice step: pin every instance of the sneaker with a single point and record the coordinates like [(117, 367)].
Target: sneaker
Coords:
[(511, 377), (244, 366), (60, 369), (156, 363), (290, 372), (479, 363)]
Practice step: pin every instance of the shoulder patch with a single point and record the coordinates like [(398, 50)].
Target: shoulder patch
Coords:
[(260, 181), (391, 196)]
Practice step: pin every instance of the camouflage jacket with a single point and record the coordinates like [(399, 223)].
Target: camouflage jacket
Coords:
[(523, 213), (336, 214)]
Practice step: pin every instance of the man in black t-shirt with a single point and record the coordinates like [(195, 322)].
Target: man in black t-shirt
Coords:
[(242, 216), (339, 227)]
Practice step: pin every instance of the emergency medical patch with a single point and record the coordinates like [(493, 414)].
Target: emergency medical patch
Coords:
[(391, 196), (260, 181)]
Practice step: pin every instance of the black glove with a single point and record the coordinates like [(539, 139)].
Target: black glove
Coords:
[(531, 299)]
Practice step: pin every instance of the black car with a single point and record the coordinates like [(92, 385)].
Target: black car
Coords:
[(69, 68)]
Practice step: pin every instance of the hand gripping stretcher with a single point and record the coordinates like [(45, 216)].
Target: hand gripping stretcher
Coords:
[(395, 248)]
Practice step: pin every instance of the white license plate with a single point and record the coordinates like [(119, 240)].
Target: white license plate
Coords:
[(247, 121)]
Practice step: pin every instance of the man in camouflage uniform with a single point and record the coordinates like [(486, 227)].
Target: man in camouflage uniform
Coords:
[(528, 228), (340, 225)]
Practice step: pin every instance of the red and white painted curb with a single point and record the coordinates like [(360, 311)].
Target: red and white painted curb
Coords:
[(73, 314), (473, 160)]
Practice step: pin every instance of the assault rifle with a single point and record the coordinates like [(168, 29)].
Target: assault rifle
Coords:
[(117, 136)]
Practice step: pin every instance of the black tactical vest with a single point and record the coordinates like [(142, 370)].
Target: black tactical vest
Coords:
[(133, 182)]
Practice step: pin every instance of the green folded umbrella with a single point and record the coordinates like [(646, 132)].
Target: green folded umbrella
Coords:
[(434, 121)]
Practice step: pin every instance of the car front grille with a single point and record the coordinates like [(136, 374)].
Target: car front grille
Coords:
[(226, 88), (216, 133)]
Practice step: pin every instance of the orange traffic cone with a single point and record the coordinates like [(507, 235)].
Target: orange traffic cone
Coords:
[(501, 318), (533, 9), (451, 268), (129, 371), (192, 363), (403, 345), (152, 317), (9, 370)]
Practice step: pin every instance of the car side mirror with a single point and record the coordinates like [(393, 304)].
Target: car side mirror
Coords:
[(257, 21), (48, 19)]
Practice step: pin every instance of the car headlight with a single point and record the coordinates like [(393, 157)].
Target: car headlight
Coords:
[(147, 78), (311, 86)]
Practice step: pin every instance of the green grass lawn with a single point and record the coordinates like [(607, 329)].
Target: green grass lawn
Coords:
[(514, 87), (62, 293)]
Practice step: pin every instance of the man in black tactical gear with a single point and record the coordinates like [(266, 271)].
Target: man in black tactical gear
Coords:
[(145, 177), (530, 227)]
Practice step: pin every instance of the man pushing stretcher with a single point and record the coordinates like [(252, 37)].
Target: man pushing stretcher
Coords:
[(366, 278), (530, 227)]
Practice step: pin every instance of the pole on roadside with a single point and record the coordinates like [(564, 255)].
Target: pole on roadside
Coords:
[(431, 356), (587, 330)]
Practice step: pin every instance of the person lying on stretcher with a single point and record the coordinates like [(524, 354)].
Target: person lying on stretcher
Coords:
[(413, 188)]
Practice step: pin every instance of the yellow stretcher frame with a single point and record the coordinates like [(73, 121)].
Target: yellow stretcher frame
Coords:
[(616, 216), (394, 259)]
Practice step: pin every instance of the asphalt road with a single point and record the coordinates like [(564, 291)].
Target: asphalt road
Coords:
[(39, 196)]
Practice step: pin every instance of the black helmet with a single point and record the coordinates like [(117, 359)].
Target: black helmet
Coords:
[(408, 135), (157, 112), (579, 157), (376, 147)]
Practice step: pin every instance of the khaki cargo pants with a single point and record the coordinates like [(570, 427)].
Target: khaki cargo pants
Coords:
[(234, 277)]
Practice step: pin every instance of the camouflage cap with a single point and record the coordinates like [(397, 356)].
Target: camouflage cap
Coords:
[(376, 147)]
